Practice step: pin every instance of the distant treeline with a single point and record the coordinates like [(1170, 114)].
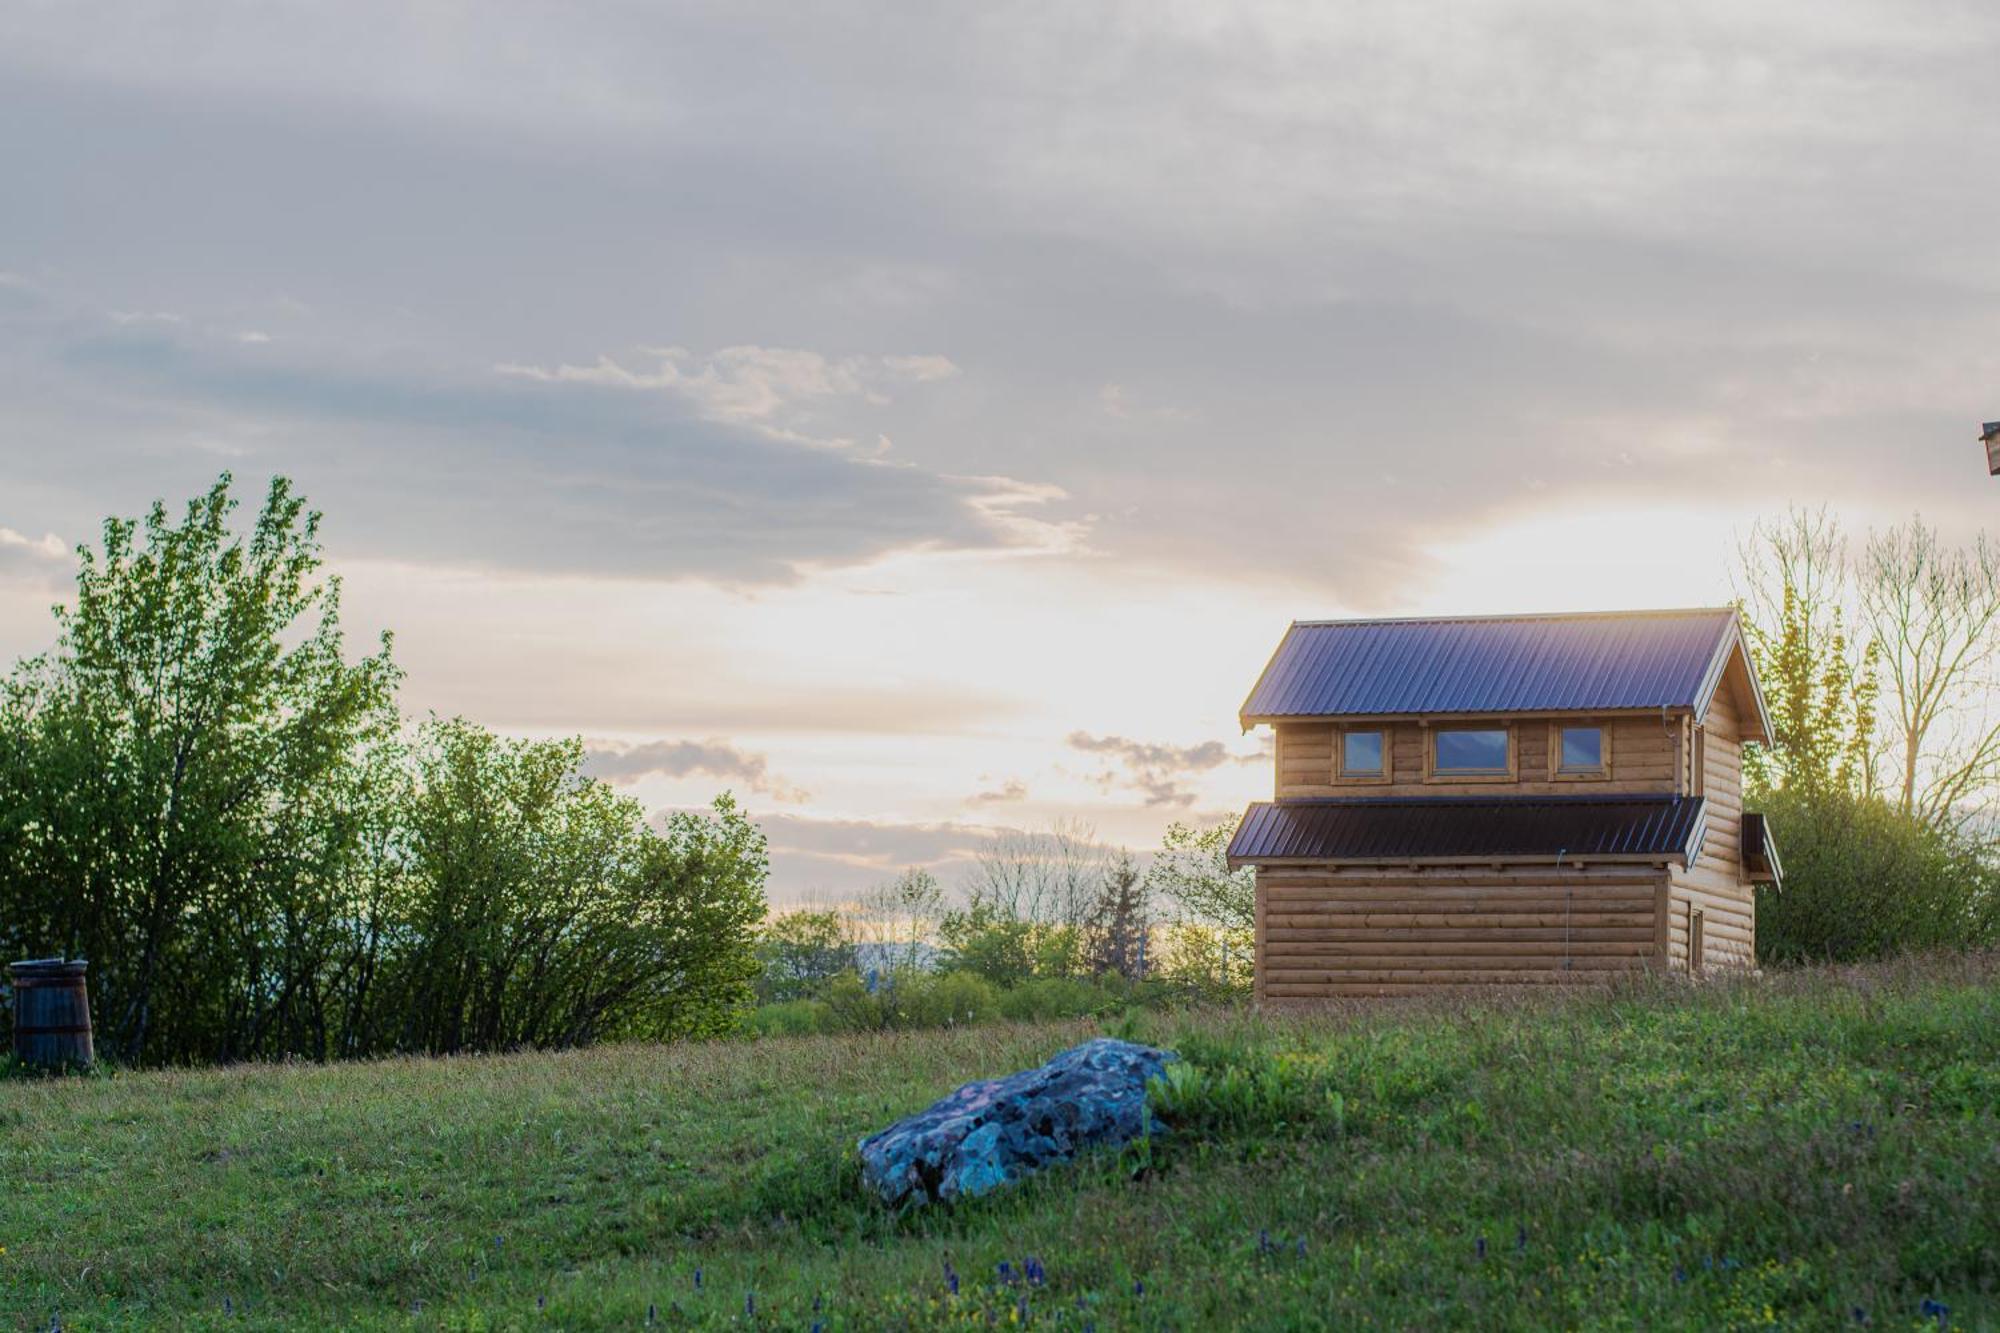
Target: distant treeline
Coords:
[(204, 795)]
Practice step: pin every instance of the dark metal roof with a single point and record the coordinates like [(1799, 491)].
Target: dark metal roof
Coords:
[(1989, 430), (1760, 851), (1499, 664), (1400, 828)]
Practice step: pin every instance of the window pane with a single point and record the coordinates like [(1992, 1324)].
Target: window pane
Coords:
[(1464, 751), (1361, 752), (1583, 747)]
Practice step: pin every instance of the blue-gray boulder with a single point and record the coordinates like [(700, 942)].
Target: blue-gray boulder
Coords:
[(990, 1133)]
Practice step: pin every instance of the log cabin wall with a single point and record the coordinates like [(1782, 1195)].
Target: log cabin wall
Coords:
[(1714, 884), (1326, 933), (1640, 753)]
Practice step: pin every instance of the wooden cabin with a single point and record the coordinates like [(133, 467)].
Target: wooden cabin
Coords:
[(1506, 800)]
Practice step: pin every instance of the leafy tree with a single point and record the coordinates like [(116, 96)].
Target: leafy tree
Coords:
[(1192, 871), (187, 778), (203, 794), (1007, 950), (544, 912), (899, 919), (799, 952)]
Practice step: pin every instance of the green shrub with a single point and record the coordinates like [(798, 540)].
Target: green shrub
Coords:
[(1057, 997), (945, 999), (1863, 880), (852, 1007), (790, 1018)]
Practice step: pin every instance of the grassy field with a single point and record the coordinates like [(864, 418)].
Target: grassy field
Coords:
[(1814, 1149)]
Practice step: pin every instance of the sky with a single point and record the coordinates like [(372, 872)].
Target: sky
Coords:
[(924, 420)]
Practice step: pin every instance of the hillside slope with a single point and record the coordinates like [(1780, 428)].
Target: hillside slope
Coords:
[(1806, 1150)]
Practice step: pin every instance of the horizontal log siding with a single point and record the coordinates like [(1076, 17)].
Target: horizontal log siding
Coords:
[(1642, 761), (1327, 932), (1715, 882)]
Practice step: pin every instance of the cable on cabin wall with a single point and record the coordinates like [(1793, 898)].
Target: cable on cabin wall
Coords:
[(1569, 894)]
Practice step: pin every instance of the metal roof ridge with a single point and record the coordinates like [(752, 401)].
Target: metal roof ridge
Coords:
[(1427, 802), (1648, 613)]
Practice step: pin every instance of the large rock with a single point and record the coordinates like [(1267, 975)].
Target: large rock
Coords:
[(987, 1134)]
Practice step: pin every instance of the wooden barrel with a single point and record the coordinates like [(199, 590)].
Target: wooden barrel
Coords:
[(51, 1012)]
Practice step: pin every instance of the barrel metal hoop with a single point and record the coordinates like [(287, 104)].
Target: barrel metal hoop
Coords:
[(66, 1030)]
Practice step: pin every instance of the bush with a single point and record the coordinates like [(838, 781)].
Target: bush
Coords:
[(1057, 997), (1863, 880), (946, 999), (790, 1018)]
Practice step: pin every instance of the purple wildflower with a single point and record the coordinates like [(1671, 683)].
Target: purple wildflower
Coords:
[(950, 1278), (1481, 1247), (750, 1304), (697, 1279)]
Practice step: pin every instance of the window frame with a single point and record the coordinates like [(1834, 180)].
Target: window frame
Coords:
[(1434, 772), (1377, 776), (1559, 773)]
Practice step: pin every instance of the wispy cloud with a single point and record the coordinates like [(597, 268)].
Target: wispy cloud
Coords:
[(621, 763), (770, 388), (1011, 792), (550, 472), (1159, 771), (42, 559)]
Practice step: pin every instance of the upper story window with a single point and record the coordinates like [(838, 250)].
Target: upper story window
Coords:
[(1361, 754), (1461, 751), (1582, 750)]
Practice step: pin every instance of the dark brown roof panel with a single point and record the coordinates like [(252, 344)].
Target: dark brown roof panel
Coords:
[(1381, 829)]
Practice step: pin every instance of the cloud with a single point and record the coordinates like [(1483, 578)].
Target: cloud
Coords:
[(620, 764), (44, 559), (773, 389), (1010, 792), (836, 859), (421, 461), (1157, 770)]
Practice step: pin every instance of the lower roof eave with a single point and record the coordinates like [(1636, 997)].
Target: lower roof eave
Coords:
[(1662, 860)]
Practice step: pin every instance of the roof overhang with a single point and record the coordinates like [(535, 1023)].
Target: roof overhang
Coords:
[(1732, 660), (1760, 852)]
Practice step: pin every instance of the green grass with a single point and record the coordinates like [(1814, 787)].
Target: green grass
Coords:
[(1783, 1151)]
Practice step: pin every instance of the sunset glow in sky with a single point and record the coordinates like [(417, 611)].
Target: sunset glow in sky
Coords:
[(926, 420)]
